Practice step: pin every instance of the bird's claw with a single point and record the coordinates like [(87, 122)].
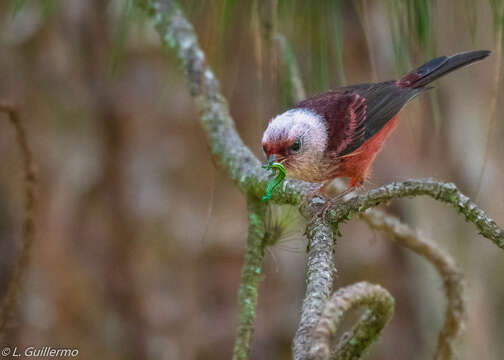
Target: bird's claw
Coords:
[(332, 202)]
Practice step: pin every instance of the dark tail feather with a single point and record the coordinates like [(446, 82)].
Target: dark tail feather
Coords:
[(440, 66)]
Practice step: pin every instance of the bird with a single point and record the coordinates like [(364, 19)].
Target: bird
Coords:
[(339, 133)]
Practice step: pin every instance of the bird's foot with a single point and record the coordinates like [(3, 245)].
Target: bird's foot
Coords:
[(330, 203), (311, 201)]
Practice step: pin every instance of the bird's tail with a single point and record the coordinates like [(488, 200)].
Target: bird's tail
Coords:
[(438, 67)]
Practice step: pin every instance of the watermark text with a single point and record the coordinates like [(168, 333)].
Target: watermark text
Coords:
[(38, 352)]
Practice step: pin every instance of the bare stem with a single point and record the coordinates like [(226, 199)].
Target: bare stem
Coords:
[(30, 185), (355, 343), (294, 77), (250, 277), (493, 101)]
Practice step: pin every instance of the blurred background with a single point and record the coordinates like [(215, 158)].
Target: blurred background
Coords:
[(140, 239)]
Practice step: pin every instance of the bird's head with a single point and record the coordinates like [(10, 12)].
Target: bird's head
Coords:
[(297, 139)]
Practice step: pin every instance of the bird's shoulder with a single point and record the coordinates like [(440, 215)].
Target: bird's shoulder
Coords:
[(337, 106), (334, 100), (343, 110)]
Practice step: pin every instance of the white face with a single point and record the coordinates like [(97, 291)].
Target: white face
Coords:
[(298, 139)]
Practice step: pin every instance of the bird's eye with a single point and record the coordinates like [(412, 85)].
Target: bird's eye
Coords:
[(296, 145)]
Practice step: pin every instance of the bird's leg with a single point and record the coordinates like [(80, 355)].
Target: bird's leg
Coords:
[(322, 189), (334, 200), (355, 185), (356, 182), (319, 192)]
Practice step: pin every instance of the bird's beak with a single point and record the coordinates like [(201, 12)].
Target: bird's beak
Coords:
[(270, 160)]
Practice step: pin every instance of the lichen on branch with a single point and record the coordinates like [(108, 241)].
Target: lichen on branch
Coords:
[(250, 277), (441, 191), (320, 270), (451, 275)]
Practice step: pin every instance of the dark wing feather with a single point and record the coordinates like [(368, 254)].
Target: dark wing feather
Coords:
[(383, 101), (355, 113)]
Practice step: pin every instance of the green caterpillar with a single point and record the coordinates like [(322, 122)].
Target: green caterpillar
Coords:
[(273, 183)]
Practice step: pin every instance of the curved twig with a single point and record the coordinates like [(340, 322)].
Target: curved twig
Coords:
[(354, 344), (453, 282), (450, 273), (28, 234)]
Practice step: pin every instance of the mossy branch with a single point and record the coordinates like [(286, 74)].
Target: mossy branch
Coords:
[(30, 200), (441, 191), (250, 278)]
